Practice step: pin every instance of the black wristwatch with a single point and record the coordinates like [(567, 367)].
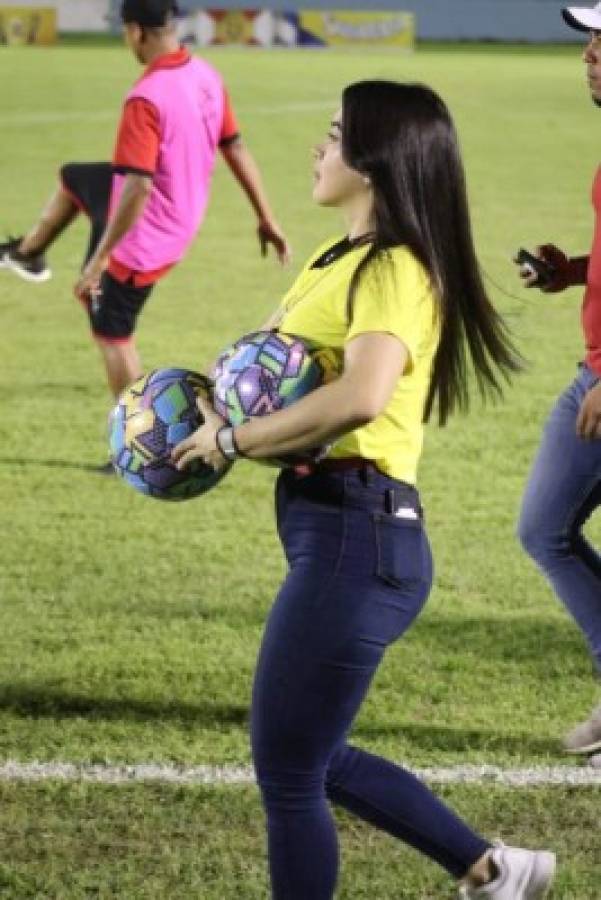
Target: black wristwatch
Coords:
[(226, 443)]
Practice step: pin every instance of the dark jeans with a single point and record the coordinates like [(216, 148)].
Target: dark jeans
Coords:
[(563, 491), (358, 576)]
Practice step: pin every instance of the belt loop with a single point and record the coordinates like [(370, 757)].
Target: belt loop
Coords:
[(366, 474)]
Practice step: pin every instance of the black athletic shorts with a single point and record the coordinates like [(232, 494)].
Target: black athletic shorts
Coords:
[(114, 313)]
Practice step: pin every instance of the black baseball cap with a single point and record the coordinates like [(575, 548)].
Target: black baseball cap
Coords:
[(148, 13)]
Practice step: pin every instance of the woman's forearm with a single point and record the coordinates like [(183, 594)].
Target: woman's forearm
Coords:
[(319, 418), (373, 363)]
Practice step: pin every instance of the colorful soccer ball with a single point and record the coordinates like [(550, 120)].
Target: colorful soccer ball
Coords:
[(265, 372), (151, 417), (262, 373)]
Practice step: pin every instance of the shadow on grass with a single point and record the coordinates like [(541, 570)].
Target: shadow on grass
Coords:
[(40, 702), (555, 646), (49, 464), (466, 740), (30, 388)]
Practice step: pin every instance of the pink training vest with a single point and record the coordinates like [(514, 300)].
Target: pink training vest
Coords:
[(189, 100)]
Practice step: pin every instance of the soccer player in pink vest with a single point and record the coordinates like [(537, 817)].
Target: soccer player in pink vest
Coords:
[(147, 205)]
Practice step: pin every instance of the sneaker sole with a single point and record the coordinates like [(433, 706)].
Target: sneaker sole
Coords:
[(542, 875), (46, 275), (585, 749), (539, 881)]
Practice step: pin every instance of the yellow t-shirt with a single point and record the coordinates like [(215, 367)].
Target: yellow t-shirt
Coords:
[(394, 296)]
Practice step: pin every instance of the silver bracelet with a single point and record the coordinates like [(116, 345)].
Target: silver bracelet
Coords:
[(226, 443)]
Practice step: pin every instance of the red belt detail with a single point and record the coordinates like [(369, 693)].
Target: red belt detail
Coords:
[(343, 464)]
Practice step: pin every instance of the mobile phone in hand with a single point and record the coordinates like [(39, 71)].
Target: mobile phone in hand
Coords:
[(534, 265)]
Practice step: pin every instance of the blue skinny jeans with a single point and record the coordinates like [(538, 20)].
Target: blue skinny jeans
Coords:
[(563, 491), (358, 576)]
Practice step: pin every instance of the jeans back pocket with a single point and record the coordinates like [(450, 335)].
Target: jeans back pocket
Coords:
[(402, 550)]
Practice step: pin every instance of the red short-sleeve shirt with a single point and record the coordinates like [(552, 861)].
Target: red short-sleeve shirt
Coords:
[(138, 142)]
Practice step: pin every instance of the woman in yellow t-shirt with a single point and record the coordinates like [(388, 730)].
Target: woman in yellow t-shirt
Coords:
[(397, 301)]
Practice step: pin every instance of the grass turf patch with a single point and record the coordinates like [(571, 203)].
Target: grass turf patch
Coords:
[(73, 841)]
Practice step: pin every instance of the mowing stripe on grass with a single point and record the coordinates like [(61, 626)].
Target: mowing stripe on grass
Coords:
[(52, 116), (219, 775)]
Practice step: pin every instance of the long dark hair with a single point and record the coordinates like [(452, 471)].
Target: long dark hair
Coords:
[(402, 137)]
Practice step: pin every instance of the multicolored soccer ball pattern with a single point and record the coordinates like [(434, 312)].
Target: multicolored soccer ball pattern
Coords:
[(267, 371), (151, 417), (262, 373)]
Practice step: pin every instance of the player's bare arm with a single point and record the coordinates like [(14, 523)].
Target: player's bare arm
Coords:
[(136, 191), (245, 170)]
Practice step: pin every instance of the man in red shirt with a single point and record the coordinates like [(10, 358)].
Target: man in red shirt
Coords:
[(565, 483), (147, 204)]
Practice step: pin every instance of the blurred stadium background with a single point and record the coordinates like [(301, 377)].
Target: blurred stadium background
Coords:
[(128, 628), (283, 21)]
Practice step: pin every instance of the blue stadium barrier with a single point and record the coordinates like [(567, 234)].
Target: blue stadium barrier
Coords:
[(536, 21)]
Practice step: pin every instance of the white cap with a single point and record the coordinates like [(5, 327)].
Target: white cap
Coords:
[(583, 18)]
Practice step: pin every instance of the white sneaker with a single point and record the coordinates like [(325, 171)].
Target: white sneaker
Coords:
[(31, 268), (523, 875), (586, 736)]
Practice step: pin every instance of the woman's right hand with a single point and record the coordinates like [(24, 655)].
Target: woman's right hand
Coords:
[(202, 443)]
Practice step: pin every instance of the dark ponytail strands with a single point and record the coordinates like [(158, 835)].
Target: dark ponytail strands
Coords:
[(402, 137)]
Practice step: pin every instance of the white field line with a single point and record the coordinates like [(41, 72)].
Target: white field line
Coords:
[(58, 116), (237, 775)]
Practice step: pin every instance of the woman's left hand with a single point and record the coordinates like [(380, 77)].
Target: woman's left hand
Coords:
[(588, 424), (202, 444)]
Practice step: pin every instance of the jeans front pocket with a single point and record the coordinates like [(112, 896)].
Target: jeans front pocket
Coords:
[(402, 550)]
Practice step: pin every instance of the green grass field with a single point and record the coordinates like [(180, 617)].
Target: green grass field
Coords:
[(129, 628)]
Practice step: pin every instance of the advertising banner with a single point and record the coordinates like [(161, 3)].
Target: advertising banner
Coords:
[(317, 28), (232, 26), (27, 25), (350, 27)]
